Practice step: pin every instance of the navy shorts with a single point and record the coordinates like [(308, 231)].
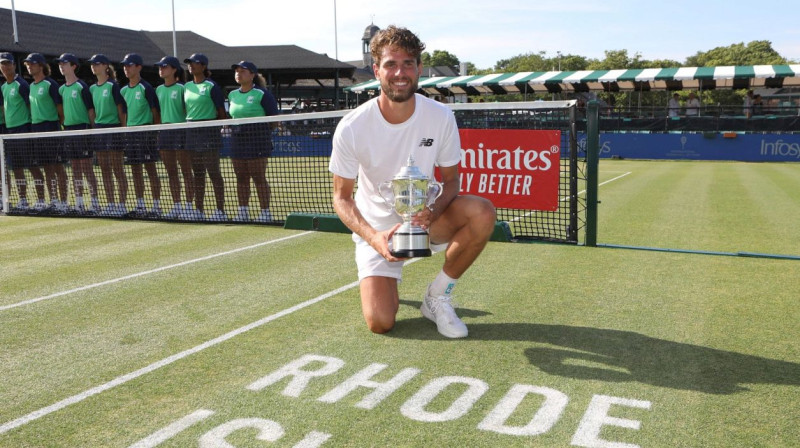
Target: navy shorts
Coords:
[(18, 153), (106, 142), (203, 139), (77, 147), (47, 151), (140, 147), (171, 139), (251, 141)]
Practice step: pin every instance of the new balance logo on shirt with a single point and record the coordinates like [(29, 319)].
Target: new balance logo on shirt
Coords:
[(426, 142)]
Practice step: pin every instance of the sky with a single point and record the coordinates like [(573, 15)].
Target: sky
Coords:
[(481, 32)]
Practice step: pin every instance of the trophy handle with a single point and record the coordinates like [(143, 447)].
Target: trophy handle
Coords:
[(386, 192), (435, 190)]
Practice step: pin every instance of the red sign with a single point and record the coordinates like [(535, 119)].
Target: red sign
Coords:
[(516, 169)]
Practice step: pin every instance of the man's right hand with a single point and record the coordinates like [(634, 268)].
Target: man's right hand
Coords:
[(380, 242)]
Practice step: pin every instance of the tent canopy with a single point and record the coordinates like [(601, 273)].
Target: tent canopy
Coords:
[(680, 78)]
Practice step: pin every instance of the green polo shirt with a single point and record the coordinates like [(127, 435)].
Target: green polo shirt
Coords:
[(171, 102), (257, 102), (140, 101), (105, 98), (77, 101), (16, 102), (202, 100), (44, 98)]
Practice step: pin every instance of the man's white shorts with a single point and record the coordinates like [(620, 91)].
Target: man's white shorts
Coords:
[(371, 264)]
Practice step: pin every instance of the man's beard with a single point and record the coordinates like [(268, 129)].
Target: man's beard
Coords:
[(400, 96)]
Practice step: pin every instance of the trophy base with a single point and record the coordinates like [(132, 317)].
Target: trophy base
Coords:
[(410, 244), (411, 253)]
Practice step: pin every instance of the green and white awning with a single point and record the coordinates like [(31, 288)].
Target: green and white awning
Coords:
[(680, 78)]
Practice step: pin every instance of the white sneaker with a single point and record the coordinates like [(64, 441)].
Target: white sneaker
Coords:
[(219, 216), (192, 214), (264, 216), (175, 213), (242, 216), (440, 310)]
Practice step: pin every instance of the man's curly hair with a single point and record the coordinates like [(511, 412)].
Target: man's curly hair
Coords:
[(396, 37)]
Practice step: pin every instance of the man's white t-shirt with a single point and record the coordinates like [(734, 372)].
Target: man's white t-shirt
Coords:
[(692, 106), (674, 107), (367, 147)]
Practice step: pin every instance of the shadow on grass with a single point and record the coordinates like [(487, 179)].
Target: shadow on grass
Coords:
[(620, 356)]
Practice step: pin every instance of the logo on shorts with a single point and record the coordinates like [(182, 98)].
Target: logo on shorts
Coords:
[(426, 142)]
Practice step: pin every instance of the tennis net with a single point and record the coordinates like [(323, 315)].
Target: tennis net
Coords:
[(256, 170)]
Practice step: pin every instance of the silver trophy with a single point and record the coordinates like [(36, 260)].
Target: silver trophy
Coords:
[(408, 193)]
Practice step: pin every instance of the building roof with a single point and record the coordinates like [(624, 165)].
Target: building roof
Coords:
[(53, 36)]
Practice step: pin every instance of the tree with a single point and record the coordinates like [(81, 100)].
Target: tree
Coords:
[(528, 62), (570, 62), (756, 52), (440, 58), (662, 63), (617, 59), (540, 62)]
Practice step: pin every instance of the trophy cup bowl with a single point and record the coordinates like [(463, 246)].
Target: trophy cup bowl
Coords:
[(408, 193)]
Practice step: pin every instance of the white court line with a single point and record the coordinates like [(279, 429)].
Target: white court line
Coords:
[(611, 180), (152, 271), (25, 419), (601, 184), (565, 198)]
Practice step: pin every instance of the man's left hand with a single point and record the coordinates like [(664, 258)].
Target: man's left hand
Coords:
[(424, 218)]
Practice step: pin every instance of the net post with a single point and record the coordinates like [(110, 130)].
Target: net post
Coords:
[(573, 175), (592, 162), (3, 177)]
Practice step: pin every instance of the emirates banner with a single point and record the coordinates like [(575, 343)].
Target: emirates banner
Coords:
[(517, 169)]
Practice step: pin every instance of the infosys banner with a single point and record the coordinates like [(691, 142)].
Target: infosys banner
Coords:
[(702, 146), (512, 168)]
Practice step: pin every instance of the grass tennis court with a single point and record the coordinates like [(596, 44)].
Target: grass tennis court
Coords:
[(130, 333)]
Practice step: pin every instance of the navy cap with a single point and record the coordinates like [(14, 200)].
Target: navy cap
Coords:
[(99, 58), (36, 58), (247, 65), (170, 61), (199, 58), (69, 57), (6, 56), (132, 59)]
